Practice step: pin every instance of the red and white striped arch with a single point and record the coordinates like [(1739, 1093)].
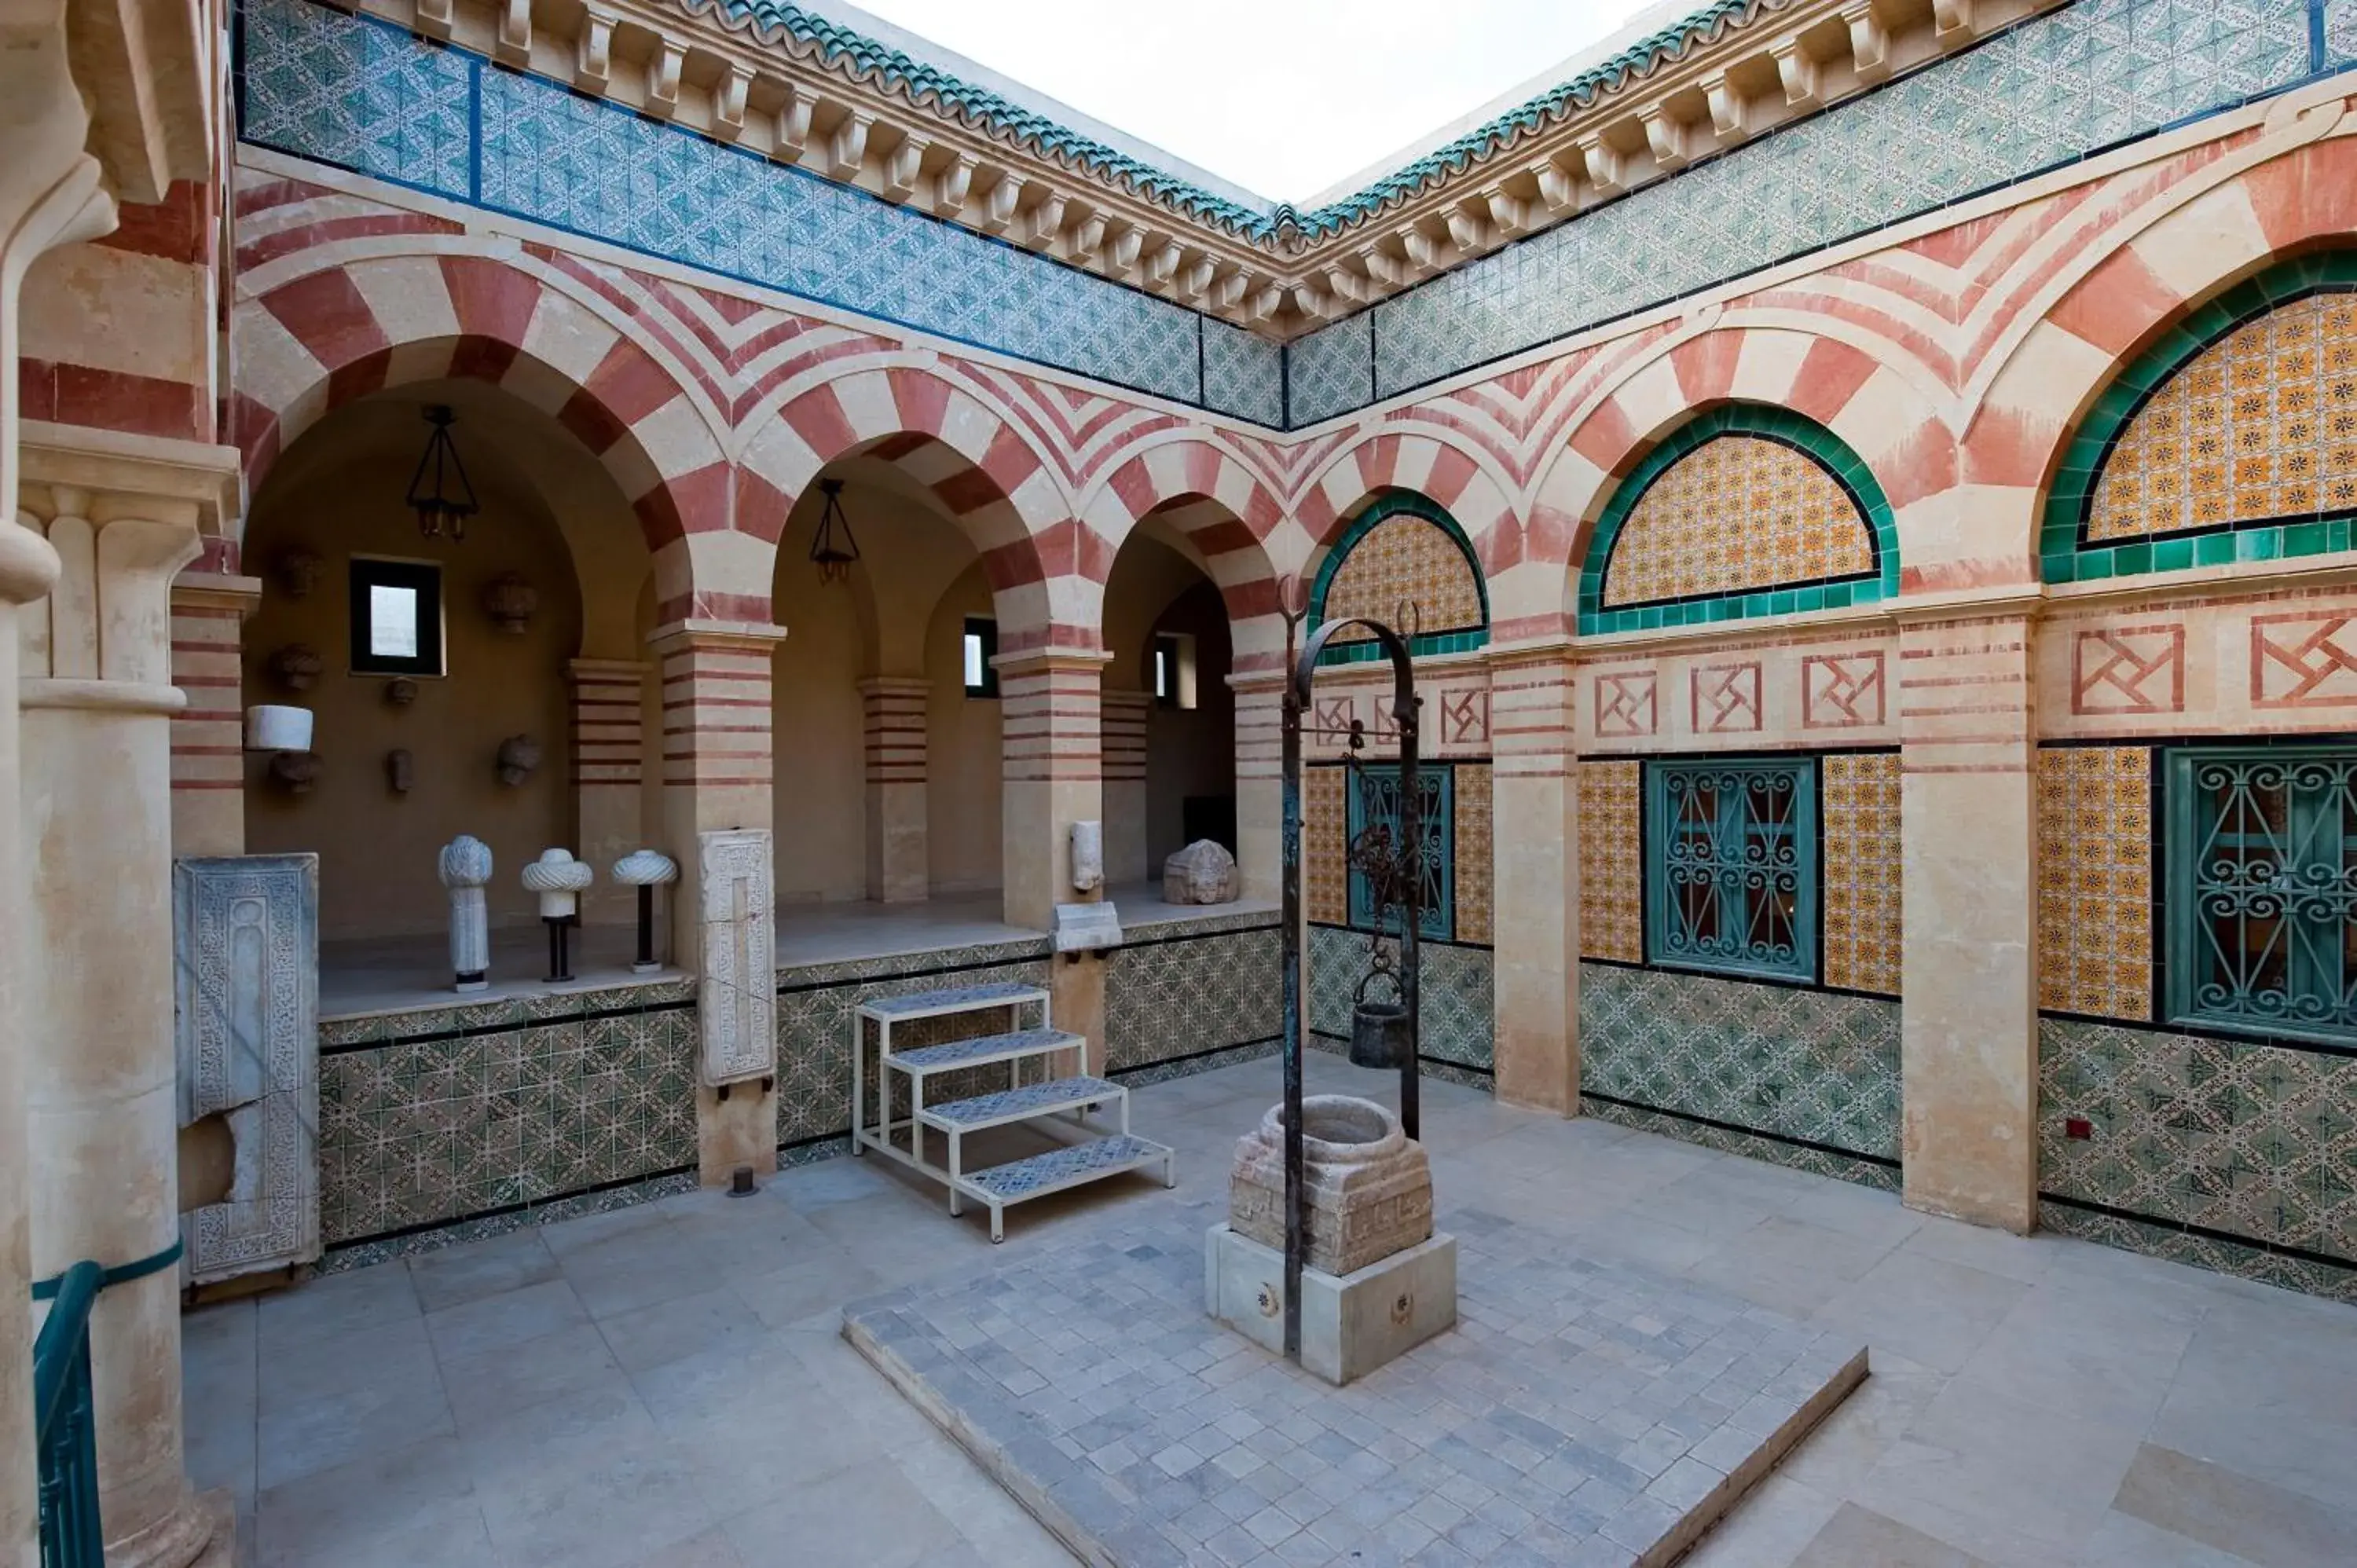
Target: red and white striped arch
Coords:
[(2194, 240), (1438, 465), (317, 328), (1224, 511), (979, 464), (1880, 403)]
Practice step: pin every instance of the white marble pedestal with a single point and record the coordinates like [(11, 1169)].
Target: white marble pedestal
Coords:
[(1351, 1323)]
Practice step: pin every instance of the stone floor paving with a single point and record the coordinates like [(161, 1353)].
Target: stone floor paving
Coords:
[(667, 1387)]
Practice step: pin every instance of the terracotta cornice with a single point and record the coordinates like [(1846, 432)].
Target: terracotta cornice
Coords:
[(1672, 101)]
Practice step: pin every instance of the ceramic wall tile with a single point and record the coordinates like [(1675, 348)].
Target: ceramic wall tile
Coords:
[(1168, 1001), (1403, 562), (1737, 512), (1859, 810), (1457, 1008), (1612, 861), (1473, 853), (2341, 32), (1798, 1068), (1244, 373), (2095, 880), (1325, 832)]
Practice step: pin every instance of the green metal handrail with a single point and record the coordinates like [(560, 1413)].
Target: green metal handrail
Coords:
[(66, 1430)]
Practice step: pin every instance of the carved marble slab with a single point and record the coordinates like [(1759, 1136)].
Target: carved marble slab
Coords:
[(246, 1022), (738, 997)]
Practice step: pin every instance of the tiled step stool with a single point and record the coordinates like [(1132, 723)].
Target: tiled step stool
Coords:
[(1042, 1103)]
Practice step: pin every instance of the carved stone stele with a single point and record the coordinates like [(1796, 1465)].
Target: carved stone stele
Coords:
[(1369, 1188), (737, 998), (246, 1021)]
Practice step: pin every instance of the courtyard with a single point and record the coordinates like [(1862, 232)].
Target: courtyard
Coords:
[(666, 1386)]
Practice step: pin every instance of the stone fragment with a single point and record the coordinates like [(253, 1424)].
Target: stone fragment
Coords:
[(1202, 873)]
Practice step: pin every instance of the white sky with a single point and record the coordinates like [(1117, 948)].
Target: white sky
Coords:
[(1283, 97)]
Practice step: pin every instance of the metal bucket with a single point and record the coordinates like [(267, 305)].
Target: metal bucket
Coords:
[(1379, 1031)]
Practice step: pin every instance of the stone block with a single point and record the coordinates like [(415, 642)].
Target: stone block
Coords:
[(1351, 1323), (1370, 1189)]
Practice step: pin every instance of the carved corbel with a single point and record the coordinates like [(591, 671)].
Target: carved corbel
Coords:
[(950, 187), (998, 212), (1952, 18), (1510, 216), (729, 103), (847, 153), (1228, 291), (435, 17), (1088, 236), (1603, 162), (593, 63), (1730, 111), (1797, 69), (793, 123), (1558, 188), (1042, 223), (1123, 256), (1869, 41), (1666, 134), (1342, 284), (663, 75), (1195, 282), (513, 44), (904, 171), (1163, 265), (1382, 267)]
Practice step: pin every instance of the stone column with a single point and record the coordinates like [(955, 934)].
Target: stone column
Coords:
[(892, 718), (1049, 706), (208, 611), (609, 744), (1535, 802), (717, 776), (124, 515), (1968, 1054), (1126, 715), (1260, 785)]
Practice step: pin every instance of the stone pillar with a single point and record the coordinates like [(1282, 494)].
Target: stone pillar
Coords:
[(1048, 705), (1260, 785), (608, 744), (1968, 1055), (1126, 715), (892, 717), (208, 611), (1535, 802), (717, 776), (123, 513)]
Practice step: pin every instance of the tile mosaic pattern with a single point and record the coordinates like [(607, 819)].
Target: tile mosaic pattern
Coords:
[(321, 83), (2312, 1276), (1324, 844), (816, 1006), (1702, 553), (1473, 851), (1457, 1004), (2034, 97), (2095, 880), (2253, 1145), (1859, 807), (2260, 425), (1737, 512), (2232, 428), (1810, 1068), (1403, 560), (432, 1117), (1332, 370), (605, 1201), (2341, 32), (1191, 997), (1058, 1167), (1750, 1146), (1584, 1413), (1612, 861)]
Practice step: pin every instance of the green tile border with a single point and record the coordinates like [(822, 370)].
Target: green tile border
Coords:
[(2064, 554), (1786, 428), (1392, 504)]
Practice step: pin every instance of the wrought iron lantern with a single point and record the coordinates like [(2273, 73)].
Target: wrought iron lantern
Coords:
[(444, 504), (832, 547)]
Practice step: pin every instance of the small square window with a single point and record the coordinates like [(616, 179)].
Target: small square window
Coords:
[(980, 647), (396, 617), (1731, 866), (1170, 665)]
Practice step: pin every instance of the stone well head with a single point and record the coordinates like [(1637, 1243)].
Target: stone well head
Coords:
[(1370, 1189)]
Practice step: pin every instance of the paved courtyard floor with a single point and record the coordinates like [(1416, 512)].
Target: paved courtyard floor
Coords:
[(666, 1386)]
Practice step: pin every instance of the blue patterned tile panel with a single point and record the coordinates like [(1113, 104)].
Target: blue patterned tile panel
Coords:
[(1031, 1100), (2339, 32), (1186, 998), (1456, 998), (1332, 371), (368, 97), (1244, 373), (2036, 96), (1063, 1168), (954, 999)]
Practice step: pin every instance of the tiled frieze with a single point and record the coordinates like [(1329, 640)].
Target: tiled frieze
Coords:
[(1805, 691), (1812, 1076), (1737, 512), (1473, 853), (1457, 1005), (1332, 370), (1455, 695), (1172, 1000), (449, 123), (2037, 96), (1612, 861), (2095, 880), (2260, 425), (2341, 32), (1858, 809), (2234, 1156), (427, 1117), (2269, 661)]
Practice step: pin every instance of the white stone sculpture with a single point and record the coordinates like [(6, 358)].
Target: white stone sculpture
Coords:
[(646, 870), (465, 867), (1088, 857), (736, 1001), (1202, 873), (558, 878), (519, 757), (270, 727)]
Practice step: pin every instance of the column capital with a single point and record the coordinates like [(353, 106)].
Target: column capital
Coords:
[(2006, 601), (706, 634), (69, 470), (1049, 660), (586, 671), (894, 687), (218, 591), (1546, 650)]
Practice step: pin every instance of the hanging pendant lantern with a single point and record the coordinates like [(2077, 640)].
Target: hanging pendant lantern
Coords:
[(439, 491), (832, 547)]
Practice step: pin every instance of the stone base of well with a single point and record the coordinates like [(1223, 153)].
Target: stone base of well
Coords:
[(1351, 1323)]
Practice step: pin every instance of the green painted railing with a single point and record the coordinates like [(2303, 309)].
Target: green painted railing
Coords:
[(66, 1427)]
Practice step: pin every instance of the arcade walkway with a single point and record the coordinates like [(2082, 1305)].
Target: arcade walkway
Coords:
[(663, 1387)]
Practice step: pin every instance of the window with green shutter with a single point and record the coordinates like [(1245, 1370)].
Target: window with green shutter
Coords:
[(1731, 866), (1376, 801), (2262, 884)]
